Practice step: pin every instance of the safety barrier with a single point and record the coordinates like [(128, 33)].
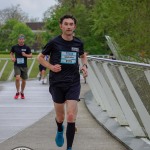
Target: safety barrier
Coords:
[(123, 90), (6, 63)]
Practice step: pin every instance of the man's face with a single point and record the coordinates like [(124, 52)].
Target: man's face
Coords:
[(21, 41), (68, 26)]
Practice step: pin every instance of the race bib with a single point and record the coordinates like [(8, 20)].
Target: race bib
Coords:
[(68, 57), (20, 60)]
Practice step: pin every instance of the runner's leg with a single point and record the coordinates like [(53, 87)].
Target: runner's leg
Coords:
[(17, 83), (60, 113), (71, 106)]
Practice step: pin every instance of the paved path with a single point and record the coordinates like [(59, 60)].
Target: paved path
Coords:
[(16, 115), (41, 134)]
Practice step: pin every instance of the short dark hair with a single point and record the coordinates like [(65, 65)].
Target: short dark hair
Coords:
[(67, 17)]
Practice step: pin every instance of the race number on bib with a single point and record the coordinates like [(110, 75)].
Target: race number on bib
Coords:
[(68, 57), (20, 60)]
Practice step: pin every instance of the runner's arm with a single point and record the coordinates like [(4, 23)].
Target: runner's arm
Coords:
[(84, 64), (12, 56), (42, 61), (27, 55)]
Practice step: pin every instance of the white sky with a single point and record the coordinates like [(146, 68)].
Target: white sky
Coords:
[(33, 8)]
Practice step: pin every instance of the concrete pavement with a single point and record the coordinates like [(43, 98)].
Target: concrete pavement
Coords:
[(16, 115)]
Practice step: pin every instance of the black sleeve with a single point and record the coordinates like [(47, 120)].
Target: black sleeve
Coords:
[(81, 52), (47, 48), (12, 49), (28, 50)]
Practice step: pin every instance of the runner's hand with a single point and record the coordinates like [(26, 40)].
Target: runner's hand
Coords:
[(84, 71), (23, 54), (56, 68), (13, 59)]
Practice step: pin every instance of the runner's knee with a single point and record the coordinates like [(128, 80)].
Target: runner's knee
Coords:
[(17, 78), (70, 117)]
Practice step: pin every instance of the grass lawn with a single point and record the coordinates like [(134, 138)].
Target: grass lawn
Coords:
[(8, 56), (9, 67)]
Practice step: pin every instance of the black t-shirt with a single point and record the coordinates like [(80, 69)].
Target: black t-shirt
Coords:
[(65, 53), (17, 50)]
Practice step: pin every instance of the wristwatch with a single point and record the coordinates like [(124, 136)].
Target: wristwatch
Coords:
[(85, 65)]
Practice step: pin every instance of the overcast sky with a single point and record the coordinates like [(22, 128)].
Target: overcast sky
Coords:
[(33, 8)]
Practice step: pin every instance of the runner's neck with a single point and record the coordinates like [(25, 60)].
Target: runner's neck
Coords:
[(67, 37)]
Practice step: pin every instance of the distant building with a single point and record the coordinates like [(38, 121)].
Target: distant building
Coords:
[(37, 28)]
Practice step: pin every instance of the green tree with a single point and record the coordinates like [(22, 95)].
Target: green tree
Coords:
[(52, 23), (127, 21), (83, 31), (10, 31), (5, 31), (21, 28)]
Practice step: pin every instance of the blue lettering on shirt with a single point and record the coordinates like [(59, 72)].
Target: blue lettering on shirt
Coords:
[(20, 60), (68, 57)]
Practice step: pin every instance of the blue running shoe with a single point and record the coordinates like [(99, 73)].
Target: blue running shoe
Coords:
[(59, 138), (69, 148)]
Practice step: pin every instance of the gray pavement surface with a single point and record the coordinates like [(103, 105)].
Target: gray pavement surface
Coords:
[(40, 133), (16, 115), (121, 133)]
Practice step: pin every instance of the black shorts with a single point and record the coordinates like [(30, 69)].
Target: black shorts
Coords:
[(41, 68), (61, 94)]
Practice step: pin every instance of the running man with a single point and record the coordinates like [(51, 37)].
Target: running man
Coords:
[(64, 51), (42, 70), (22, 52)]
